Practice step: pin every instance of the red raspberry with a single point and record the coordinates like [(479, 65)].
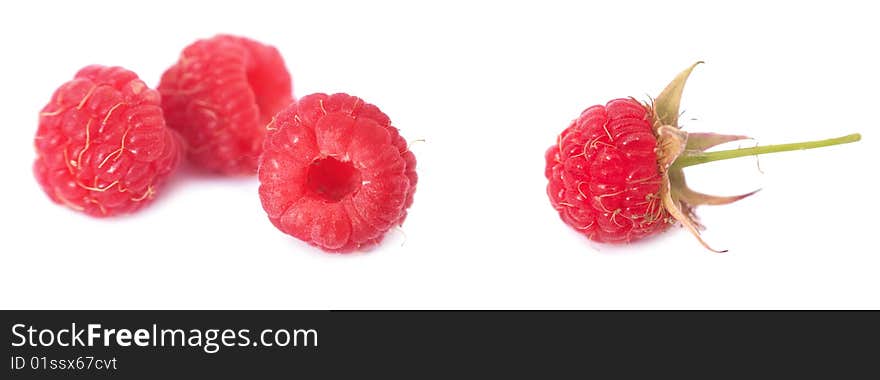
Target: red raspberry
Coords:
[(335, 173), (220, 95), (616, 173), (102, 145), (604, 179)]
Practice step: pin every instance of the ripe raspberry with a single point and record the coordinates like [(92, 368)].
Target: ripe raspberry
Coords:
[(220, 95), (615, 174), (604, 179), (102, 144), (335, 173)]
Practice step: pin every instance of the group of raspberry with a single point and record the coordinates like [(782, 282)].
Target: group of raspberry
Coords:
[(333, 170)]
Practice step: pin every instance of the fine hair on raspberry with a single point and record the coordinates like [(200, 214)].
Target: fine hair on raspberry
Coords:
[(335, 173), (220, 95), (102, 144)]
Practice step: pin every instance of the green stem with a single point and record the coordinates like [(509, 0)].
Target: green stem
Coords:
[(686, 159)]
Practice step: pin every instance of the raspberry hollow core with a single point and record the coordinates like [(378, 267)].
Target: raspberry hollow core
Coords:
[(332, 179)]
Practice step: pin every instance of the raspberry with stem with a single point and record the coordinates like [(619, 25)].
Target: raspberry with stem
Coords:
[(616, 174)]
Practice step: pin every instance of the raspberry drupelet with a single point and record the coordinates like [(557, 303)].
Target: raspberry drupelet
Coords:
[(616, 173), (102, 144), (335, 173), (220, 95)]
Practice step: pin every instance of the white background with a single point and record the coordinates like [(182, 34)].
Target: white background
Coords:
[(489, 85)]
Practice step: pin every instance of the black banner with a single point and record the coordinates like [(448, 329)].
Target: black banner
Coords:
[(199, 344)]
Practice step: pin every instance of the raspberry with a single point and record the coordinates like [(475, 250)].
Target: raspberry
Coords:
[(220, 95), (102, 144), (604, 179), (335, 173), (616, 173)]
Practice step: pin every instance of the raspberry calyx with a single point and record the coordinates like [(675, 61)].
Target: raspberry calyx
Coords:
[(677, 149)]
